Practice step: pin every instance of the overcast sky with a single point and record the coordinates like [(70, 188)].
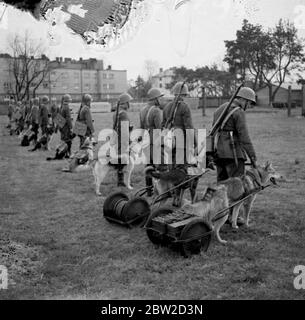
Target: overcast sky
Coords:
[(193, 35)]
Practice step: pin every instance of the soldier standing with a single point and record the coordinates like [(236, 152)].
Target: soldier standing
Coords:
[(150, 119), (34, 119), (66, 130), (44, 114), (54, 109), (84, 116), (233, 143), (120, 116), (177, 115)]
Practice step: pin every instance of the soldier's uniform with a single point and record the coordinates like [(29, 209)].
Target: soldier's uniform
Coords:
[(122, 116), (225, 158), (44, 115), (183, 121), (53, 111), (65, 131), (34, 119), (84, 116)]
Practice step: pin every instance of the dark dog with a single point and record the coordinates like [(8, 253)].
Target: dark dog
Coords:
[(164, 181), (61, 152)]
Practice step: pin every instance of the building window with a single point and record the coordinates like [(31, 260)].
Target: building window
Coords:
[(160, 85), (160, 79), (87, 75), (87, 86), (111, 86), (105, 86), (45, 85), (104, 75), (111, 76)]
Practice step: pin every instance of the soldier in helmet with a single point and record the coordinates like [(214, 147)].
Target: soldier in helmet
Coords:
[(150, 119), (66, 130), (84, 116), (233, 143), (120, 116), (178, 116), (54, 109)]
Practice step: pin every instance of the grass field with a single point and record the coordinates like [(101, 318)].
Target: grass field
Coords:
[(56, 243)]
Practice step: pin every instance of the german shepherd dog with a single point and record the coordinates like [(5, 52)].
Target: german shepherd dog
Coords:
[(214, 200), (167, 180), (237, 188), (60, 153)]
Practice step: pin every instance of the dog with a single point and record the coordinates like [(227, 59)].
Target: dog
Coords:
[(167, 180), (239, 187), (43, 141), (213, 201), (60, 153), (103, 165), (83, 158)]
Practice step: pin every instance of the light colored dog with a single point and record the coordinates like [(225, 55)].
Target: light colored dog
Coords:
[(102, 166), (240, 187), (213, 201)]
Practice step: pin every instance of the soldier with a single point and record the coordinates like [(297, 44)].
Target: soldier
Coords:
[(119, 116), (66, 130), (181, 118), (233, 142), (44, 114), (10, 111), (54, 109), (28, 110), (150, 119), (34, 119), (84, 116)]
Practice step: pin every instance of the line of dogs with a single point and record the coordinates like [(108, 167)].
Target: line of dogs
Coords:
[(221, 197)]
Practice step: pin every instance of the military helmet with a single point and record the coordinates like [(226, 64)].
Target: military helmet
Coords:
[(247, 93), (45, 99), (86, 98), (178, 89), (36, 101), (66, 98), (124, 98), (154, 93)]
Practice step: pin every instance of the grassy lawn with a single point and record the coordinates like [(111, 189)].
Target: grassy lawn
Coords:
[(56, 243)]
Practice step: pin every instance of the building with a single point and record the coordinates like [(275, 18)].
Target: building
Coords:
[(281, 95), (163, 79), (75, 77)]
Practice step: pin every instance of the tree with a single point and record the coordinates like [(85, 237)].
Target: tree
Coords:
[(151, 68), (288, 54), (140, 88), (28, 66), (266, 57), (249, 54), (217, 83)]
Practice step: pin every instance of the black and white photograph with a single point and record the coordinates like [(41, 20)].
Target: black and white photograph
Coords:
[(152, 150)]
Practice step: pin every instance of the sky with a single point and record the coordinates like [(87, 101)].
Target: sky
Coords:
[(192, 35)]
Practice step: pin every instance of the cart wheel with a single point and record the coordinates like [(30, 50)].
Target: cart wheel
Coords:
[(134, 208), (110, 203), (191, 230), (154, 236)]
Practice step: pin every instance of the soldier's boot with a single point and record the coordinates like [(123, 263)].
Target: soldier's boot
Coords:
[(121, 182), (149, 185)]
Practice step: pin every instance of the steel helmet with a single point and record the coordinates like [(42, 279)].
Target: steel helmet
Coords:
[(36, 101), (87, 98), (179, 90), (124, 98), (45, 99), (66, 98), (247, 93), (154, 93)]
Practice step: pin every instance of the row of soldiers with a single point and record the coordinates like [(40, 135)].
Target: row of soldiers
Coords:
[(155, 115), (232, 146), (43, 114)]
